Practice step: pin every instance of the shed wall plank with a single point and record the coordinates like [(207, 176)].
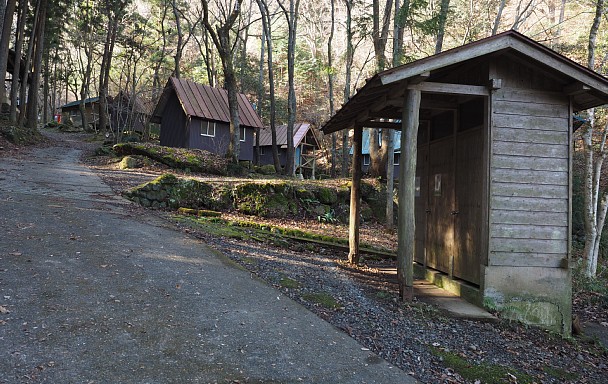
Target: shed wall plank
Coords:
[(513, 259), (505, 175), (532, 163), (530, 149), (515, 135), (499, 216), (528, 246), (530, 108), (529, 190), (534, 205), (530, 122), (536, 232)]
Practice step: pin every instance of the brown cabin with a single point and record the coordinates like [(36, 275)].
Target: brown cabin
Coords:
[(485, 204), (71, 112), (193, 115), (305, 144)]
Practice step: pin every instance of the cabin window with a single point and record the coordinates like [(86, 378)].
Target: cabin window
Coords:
[(208, 128), (380, 137), (262, 151), (74, 113), (365, 159), (396, 158), (242, 133)]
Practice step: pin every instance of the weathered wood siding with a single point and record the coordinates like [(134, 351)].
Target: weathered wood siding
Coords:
[(173, 129), (529, 178), (218, 144)]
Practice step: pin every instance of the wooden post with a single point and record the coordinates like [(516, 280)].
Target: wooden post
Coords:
[(407, 193), (355, 198)]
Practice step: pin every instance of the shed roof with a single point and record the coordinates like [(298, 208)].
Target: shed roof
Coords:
[(90, 100), (299, 133), (209, 103), (379, 93)]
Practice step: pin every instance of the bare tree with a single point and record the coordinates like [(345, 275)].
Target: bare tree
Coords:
[(224, 43), (596, 202), (350, 54), (292, 21), (442, 19), (330, 81), (267, 26)]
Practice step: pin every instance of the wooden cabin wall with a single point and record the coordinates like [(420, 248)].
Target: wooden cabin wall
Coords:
[(173, 130), (529, 176)]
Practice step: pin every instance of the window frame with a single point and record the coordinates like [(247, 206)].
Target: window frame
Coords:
[(366, 159), (205, 133), (242, 137)]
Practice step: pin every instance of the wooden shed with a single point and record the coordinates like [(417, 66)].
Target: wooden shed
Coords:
[(71, 112), (305, 143), (193, 115), (485, 201)]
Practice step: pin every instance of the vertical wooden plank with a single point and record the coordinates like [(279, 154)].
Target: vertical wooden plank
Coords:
[(570, 158), (355, 197), (407, 193)]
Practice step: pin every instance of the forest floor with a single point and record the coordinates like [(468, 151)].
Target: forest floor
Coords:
[(362, 301)]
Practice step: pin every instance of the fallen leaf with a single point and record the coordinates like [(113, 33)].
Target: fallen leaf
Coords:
[(3, 310), (15, 254)]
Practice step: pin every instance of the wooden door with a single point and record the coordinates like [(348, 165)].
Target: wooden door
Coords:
[(440, 218), (468, 197)]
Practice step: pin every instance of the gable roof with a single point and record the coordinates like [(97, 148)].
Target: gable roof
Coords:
[(198, 100), (366, 101), (299, 133)]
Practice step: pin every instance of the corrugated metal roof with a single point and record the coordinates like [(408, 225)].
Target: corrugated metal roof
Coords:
[(206, 102), (299, 132)]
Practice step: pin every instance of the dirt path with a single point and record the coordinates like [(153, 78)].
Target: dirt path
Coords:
[(93, 290)]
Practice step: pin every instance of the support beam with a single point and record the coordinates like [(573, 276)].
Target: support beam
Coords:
[(355, 197), (407, 193), (452, 89)]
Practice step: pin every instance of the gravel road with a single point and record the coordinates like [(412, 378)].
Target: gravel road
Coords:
[(95, 290)]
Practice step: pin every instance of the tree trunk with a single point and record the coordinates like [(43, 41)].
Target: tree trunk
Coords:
[(267, 25), (350, 53), (261, 91), (443, 17), (32, 109), (223, 43), (292, 21), (24, 104), (330, 80), (15, 85), (599, 10), (498, 17), (4, 43), (180, 37)]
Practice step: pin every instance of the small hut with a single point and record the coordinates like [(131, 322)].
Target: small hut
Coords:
[(485, 201), (193, 115), (128, 113), (305, 144), (71, 112)]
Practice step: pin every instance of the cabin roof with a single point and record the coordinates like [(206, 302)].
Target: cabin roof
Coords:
[(205, 102), (90, 100), (299, 133), (382, 91)]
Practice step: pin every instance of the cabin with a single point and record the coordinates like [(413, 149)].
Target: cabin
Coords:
[(128, 113), (305, 144), (365, 152), (71, 112), (193, 115), (485, 191)]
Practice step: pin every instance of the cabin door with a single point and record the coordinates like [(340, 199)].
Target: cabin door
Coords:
[(448, 209), (440, 212)]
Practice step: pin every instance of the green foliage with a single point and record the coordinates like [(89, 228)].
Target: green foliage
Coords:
[(323, 299), (328, 217), (486, 373), (286, 282)]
